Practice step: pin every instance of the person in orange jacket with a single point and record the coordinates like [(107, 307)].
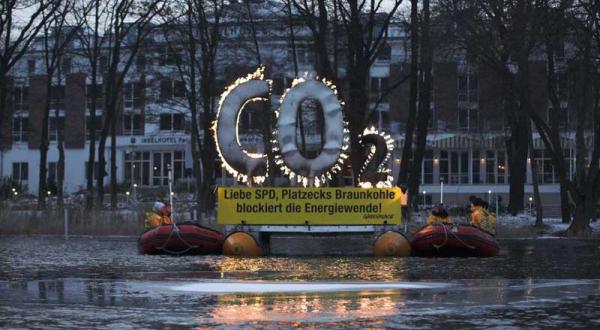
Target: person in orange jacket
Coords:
[(438, 215), (482, 217), (159, 215)]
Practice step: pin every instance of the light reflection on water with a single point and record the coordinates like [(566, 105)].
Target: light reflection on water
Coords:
[(105, 283), (235, 310)]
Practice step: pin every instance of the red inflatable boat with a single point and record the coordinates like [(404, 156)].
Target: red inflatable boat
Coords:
[(446, 240), (185, 238)]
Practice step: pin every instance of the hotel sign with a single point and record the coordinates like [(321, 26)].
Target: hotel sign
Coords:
[(162, 140)]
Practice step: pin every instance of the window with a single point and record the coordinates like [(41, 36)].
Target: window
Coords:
[(66, 65), (178, 165), (133, 95), (379, 85), (304, 53), (52, 171), (427, 167), (171, 122), (490, 166), (475, 167), (564, 115), (137, 167), (467, 118), (562, 86), (468, 90), (384, 52), (97, 124), (31, 66), (543, 161), (20, 98), (20, 172), (433, 124), (459, 167), (383, 120), (20, 127), (171, 89), (502, 169), (495, 167), (163, 162), (132, 124), (444, 168), (99, 98), (468, 87), (54, 125), (170, 56), (102, 63), (464, 167)]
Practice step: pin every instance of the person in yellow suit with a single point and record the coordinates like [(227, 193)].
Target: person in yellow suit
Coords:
[(159, 215), (438, 215), (482, 217)]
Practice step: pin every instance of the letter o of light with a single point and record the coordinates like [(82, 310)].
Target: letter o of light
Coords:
[(244, 166), (333, 125)]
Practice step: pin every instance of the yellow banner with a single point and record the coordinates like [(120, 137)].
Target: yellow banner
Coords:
[(309, 206)]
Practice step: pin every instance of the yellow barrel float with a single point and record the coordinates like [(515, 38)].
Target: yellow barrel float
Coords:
[(240, 243), (391, 244)]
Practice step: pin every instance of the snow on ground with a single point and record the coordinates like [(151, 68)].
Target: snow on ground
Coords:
[(523, 220), (509, 225)]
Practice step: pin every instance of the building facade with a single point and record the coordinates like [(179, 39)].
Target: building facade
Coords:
[(466, 146)]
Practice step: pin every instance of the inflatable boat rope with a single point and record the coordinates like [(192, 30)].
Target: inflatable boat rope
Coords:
[(455, 236), (175, 228)]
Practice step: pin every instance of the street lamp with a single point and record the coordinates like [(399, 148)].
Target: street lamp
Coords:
[(530, 205), (424, 199), (489, 196)]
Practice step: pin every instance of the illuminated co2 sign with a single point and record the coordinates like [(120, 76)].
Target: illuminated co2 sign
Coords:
[(251, 168), (311, 171), (379, 147)]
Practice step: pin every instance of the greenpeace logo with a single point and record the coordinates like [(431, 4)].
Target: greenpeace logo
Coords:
[(378, 216)]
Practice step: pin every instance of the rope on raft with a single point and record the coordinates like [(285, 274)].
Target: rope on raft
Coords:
[(175, 229), (455, 236)]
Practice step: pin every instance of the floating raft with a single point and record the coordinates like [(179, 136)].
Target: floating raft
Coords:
[(184, 238), (446, 240)]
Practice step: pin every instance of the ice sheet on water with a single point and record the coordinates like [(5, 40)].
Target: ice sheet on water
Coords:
[(275, 287)]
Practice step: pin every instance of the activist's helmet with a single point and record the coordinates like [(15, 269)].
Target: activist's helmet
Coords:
[(158, 207)]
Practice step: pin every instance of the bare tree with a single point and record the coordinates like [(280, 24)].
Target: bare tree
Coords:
[(91, 40), (518, 29), (57, 35), (129, 23), (197, 28), (17, 32), (424, 106), (502, 36), (583, 190), (315, 15), (405, 164), (366, 28), (292, 38)]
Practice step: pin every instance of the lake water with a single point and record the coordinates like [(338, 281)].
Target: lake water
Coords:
[(104, 282)]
